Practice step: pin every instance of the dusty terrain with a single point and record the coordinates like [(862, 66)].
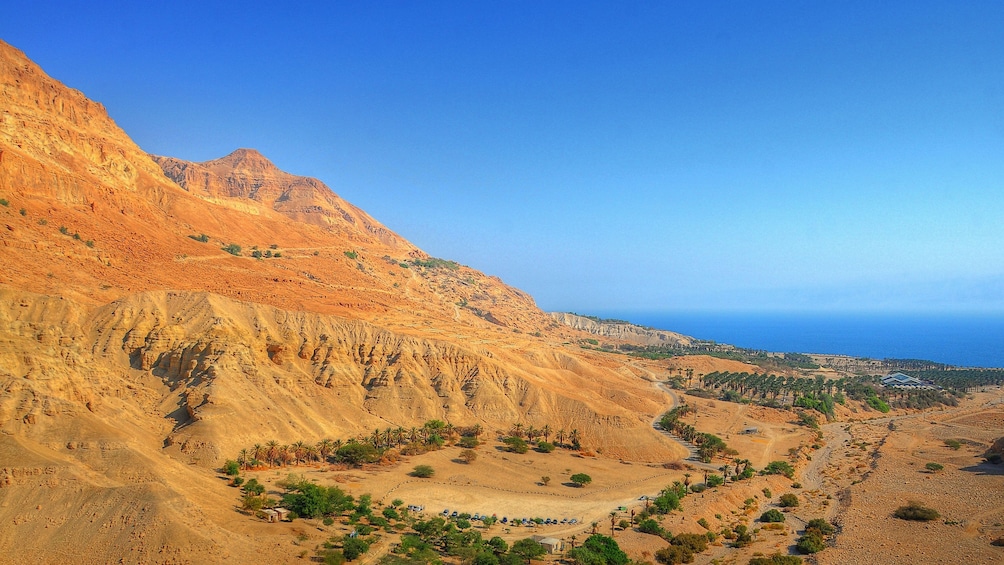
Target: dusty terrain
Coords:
[(137, 355)]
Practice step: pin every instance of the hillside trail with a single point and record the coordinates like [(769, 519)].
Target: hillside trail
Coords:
[(693, 459)]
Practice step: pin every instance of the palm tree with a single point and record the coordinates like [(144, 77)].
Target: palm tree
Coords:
[(686, 480), (272, 452), (399, 435), (574, 438), (258, 452), (594, 526), (413, 434), (325, 448), (546, 431), (242, 458), (613, 518), (477, 430), (560, 436), (299, 451), (375, 438), (517, 430)]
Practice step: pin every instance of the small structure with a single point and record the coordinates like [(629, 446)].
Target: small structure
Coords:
[(282, 513), (901, 380), (750, 430), (551, 545), (270, 515)]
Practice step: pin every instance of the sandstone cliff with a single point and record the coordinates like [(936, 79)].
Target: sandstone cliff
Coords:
[(135, 355), (621, 331)]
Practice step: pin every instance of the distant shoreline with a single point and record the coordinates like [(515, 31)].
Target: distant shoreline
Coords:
[(965, 340)]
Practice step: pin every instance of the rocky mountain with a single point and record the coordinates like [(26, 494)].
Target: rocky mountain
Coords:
[(621, 330), (158, 315)]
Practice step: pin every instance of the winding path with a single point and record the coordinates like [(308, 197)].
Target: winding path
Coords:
[(693, 459)]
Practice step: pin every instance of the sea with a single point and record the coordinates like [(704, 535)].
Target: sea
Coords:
[(967, 340)]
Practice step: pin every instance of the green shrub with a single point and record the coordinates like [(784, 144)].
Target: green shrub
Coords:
[(581, 479), (351, 254), (916, 511), (201, 237), (878, 404), (328, 520), (354, 547), (468, 442), (232, 249), (768, 493), (545, 447), (776, 559), (953, 443), (811, 542), (779, 468), (650, 526), (704, 524), (772, 515), (231, 468), (934, 467), (23, 212), (516, 444), (715, 481), (423, 471), (64, 230), (789, 500), (4, 202), (820, 525)]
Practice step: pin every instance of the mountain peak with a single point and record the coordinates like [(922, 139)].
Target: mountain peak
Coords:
[(245, 160)]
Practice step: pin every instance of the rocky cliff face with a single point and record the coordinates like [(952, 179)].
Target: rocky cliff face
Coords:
[(135, 355), (621, 331), (246, 175)]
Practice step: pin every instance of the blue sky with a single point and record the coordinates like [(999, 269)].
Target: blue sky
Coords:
[(605, 157)]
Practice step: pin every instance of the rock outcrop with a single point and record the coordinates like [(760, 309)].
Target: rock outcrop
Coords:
[(621, 331)]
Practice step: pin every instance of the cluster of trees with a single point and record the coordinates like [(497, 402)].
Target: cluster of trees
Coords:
[(962, 380), (818, 393), (708, 445), (562, 438), (357, 451), (438, 536), (682, 548)]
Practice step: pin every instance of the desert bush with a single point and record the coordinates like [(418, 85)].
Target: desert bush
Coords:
[(581, 479), (789, 500), (715, 481), (768, 493), (423, 471), (351, 254), (811, 542), (776, 559), (650, 526), (354, 547), (545, 447), (232, 249), (231, 468), (820, 525), (516, 444), (202, 238), (704, 524), (916, 511), (772, 515), (953, 443), (779, 468), (934, 467), (468, 456), (4, 202), (468, 442)]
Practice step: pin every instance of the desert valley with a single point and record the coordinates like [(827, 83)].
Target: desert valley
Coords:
[(203, 362)]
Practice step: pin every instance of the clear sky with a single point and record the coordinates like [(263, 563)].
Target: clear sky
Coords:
[(602, 156)]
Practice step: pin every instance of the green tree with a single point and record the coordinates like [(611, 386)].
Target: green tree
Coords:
[(516, 444), (581, 479), (527, 549), (354, 547), (468, 456), (356, 454)]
